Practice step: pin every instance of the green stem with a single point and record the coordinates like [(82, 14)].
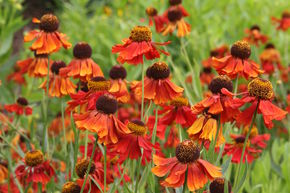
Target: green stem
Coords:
[(216, 135), (185, 182), (142, 102), (105, 168), (236, 85), (138, 173), (63, 125), (155, 126), (86, 142)]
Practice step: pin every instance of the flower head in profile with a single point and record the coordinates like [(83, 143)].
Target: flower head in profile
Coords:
[(155, 19), (16, 76), (284, 22), (177, 4), (20, 107), (186, 162), (157, 85), (254, 36), (82, 65), (70, 187), (218, 186), (48, 38), (238, 62), (59, 86), (138, 45), (270, 59)]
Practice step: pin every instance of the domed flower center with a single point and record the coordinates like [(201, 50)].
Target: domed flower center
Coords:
[(179, 102), (71, 187), (217, 186), (118, 72), (260, 88), (137, 127), (240, 139), (56, 66), (241, 49), (174, 14), (107, 104), (220, 82), (286, 14), (82, 50), (22, 101), (214, 53), (269, 46), (255, 27), (49, 23), (98, 83), (175, 2), (187, 152), (140, 34), (207, 70), (34, 158), (151, 11), (82, 167), (158, 70)]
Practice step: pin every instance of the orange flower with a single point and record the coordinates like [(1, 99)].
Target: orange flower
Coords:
[(218, 52), (206, 76), (177, 4), (270, 59), (3, 171), (82, 66), (139, 44), (102, 120), (284, 22), (17, 76), (157, 86), (158, 20), (175, 20), (254, 36), (118, 84), (20, 107), (48, 39), (58, 85), (186, 162), (35, 67), (238, 63)]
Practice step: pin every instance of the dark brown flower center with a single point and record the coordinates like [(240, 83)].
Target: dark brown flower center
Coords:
[(255, 27), (151, 11), (241, 49), (49, 23), (140, 34), (158, 70), (118, 72), (56, 66), (220, 82), (179, 102), (174, 14), (207, 70), (286, 14), (82, 50), (260, 88), (240, 139), (98, 83), (214, 53), (71, 187), (82, 167), (137, 127), (175, 2), (34, 158), (40, 55), (83, 86), (107, 104), (269, 46), (217, 186), (22, 101), (187, 152)]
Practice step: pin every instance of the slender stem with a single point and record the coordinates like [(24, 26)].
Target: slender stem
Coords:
[(236, 85), (138, 173), (105, 168), (47, 77), (185, 182), (155, 126), (63, 125), (86, 142), (180, 132), (245, 142), (142, 102)]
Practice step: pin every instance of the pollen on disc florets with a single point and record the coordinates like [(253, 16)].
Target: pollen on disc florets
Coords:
[(49, 23), (71, 187), (174, 14), (260, 88), (255, 27), (175, 2), (187, 151), (220, 82), (82, 167), (151, 11), (179, 102), (98, 83), (34, 158), (22, 101), (82, 50), (107, 104), (56, 66), (286, 14), (158, 70), (241, 49), (269, 46), (137, 127), (118, 72), (140, 34), (217, 186)]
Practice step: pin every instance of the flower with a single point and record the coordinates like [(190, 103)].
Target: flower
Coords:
[(270, 59), (158, 20), (175, 20), (102, 120), (139, 44), (70, 187), (177, 4), (284, 22), (35, 169), (218, 52), (157, 85), (172, 138), (177, 111), (218, 185), (82, 65), (16, 76), (3, 171), (20, 107), (186, 162), (254, 36), (206, 76), (118, 83), (48, 39), (58, 85), (238, 63)]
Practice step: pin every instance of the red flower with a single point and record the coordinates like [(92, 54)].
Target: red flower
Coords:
[(206, 76), (178, 5), (16, 76), (270, 59), (254, 36), (158, 20), (218, 52), (284, 22), (139, 44), (20, 107)]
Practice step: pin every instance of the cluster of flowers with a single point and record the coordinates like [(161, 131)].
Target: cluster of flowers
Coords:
[(117, 117)]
